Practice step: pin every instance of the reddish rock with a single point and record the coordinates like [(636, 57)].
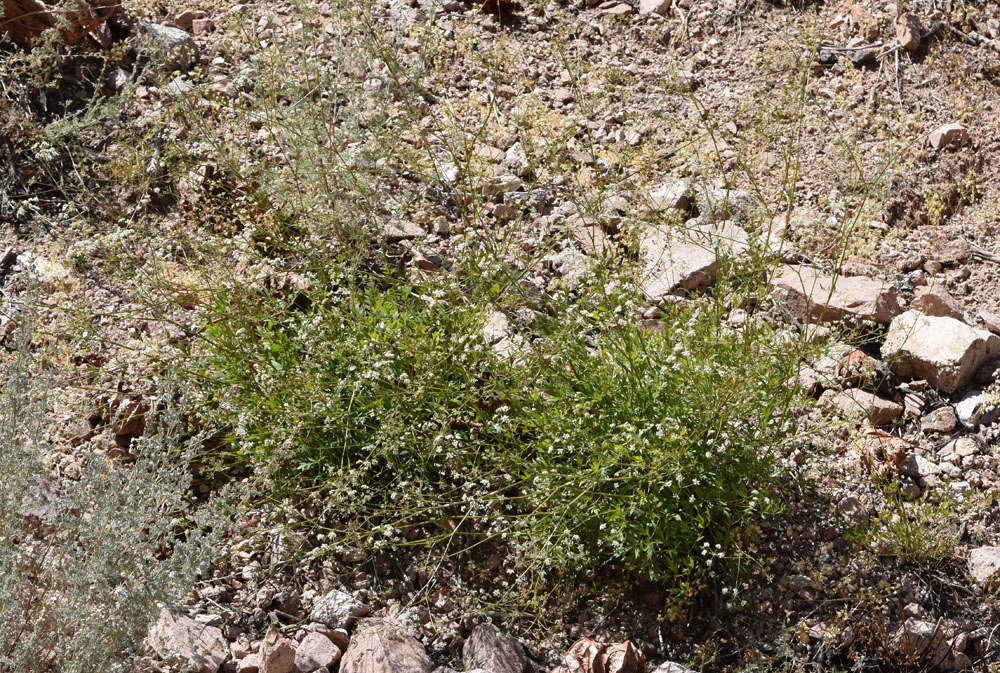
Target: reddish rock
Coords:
[(814, 296), (936, 301), (881, 453), (590, 656), (316, 651), (276, 653), (991, 320), (660, 7), (489, 649), (855, 402), (908, 32), (949, 135), (384, 646)]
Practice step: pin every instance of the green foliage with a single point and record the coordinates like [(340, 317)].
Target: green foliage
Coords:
[(595, 441), (922, 533)]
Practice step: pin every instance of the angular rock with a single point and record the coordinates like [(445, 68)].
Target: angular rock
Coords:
[(944, 351), (186, 645), (276, 653), (814, 296), (855, 402), (908, 32), (984, 563), (590, 656), (338, 609), (316, 651), (936, 301), (671, 667), (941, 420), (384, 646), (949, 135), (249, 664), (660, 7), (671, 196), (173, 47), (688, 259), (928, 643), (978, 407), (488, 648), (881, 453), (991, 320)]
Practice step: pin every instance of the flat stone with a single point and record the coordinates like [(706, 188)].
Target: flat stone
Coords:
[(855, 403), (978, 407), (660, 7), (918, 467), (936, 301), (814, 296), (984, 562), (949, 135), (991, 320), (944, 351), (686, 259)]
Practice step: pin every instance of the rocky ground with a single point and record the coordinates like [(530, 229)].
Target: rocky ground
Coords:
[(857, 144)]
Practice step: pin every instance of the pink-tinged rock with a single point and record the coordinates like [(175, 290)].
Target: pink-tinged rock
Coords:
[(671, 196), (621, 9), (316, 651), (249, 664), (945, 352), (908, 32), (814, 296), (384, 646), (949, 135), (660, 7), (991, 320), (276, 653), (590, 656), (490, 649), (934, 300), (856, 403), (187, 645), (984, 563), (686, 258)]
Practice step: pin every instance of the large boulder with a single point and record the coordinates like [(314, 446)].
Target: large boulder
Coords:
[(384, 646), (187, 646), (944, 351), (489, 649), (814, 296), (686, 259)]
